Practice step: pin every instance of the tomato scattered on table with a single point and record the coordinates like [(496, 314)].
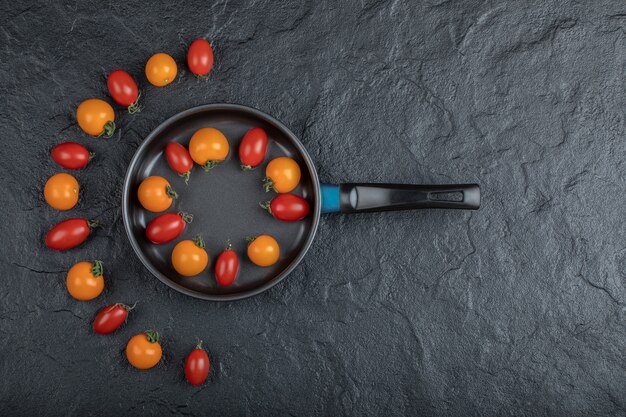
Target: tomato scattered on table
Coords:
[(143, 351), (179, 159), (71, 155), (208, 147), (253, 148), (69, 233), (156, 194), (123, 89), (263, 250), (227, 267), (85, 280), (96, 117), (161, 69), (281, 175), (287, 207), (61, 191), (167, 227), (200, 57), (189, 257), (110, 318), (197, 365)]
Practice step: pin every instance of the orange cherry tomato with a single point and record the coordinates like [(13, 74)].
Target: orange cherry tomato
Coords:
[(263, 250), (208, 147), (281, 175), (61, 191), (155, 194), (96, 117), (161, 69), (85, 280), (143, 351), (189, 257)]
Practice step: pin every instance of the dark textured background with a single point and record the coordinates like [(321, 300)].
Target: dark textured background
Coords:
[(517, 309)]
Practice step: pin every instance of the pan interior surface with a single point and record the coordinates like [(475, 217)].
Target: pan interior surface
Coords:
[(224, 202)]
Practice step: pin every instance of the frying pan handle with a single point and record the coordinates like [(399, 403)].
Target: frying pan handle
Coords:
[(360, 198)]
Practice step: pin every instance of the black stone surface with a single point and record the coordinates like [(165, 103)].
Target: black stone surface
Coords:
[(517, 309)]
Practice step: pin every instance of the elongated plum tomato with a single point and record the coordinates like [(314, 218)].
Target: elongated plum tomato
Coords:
[(189, 257), (208, 147), (197, 365), (155, 194), (123, 89), (69, 233), (110, 318), (287, 207), (161, 69), (179, 159), (143, 351), (226, 267), (281, 175), (263, 250), (61, 191), (96, 117), (167, 227), (71, 155), (200, 57), (85, 280), (253, 148)]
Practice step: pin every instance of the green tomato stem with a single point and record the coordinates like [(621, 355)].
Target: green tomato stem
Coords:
[(199, 241), (170, 192), (109, 129), (97, 270), (153, 337)]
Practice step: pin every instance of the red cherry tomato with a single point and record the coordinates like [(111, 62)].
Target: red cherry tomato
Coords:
[(179, 159), (287, 207), (110, 318), (167, 227), (71, 155), (226, 267), (197, 365), (123, 89), (69, 233), (200, 57), (253, 148)]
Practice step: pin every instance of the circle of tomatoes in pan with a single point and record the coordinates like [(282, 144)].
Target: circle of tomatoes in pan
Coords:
[(282, 175), (167, 227), (123, 89), (110, 318), (69, 233), (179, 159), (287, 207), (71, 155), (197, 365), (253, 148), (200, 57), (226, 267)]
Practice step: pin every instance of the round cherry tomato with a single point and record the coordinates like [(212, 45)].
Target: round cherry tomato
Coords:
[(179, 159), (263, 250), (61, 191), (110, 318), (208, 147), (197, 365), (155, 194), (253, 148), (167, 227), (71, 155), (85, 280), (69, 233), (281, 175), (143, 350), (123, 89), (161, 69), (189, 257), (226, 267), (96, 117), (200, 57), (287, 207)]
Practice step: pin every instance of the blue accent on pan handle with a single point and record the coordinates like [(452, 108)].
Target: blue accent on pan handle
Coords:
[(359, 198)]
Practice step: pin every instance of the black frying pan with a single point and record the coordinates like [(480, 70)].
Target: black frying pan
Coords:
[(225, 201)]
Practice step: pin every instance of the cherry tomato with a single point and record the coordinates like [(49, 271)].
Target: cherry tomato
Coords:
[(85, 280), (281, 175), (208, 147), (155, 194), (189, 257), (253, 148), (123, 89), (227, 267), (197, 365), (61, 191), (179, 159), (287, 207), (71, 155), (143, 350), (161, 69), (200, 57), (96, 117), (263, 250), (69, 233), (167, 227), (110, 318)]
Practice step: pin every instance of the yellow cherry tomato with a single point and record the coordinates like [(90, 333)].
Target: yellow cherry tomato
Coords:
[(263, 250), (281, 175), (96, 117), (85, 280), (208, 147), (155, 194), (61, 191), (189, 257), (143, 351), (161, 69)]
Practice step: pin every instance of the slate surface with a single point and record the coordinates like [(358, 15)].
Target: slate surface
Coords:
[(517, 309)]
